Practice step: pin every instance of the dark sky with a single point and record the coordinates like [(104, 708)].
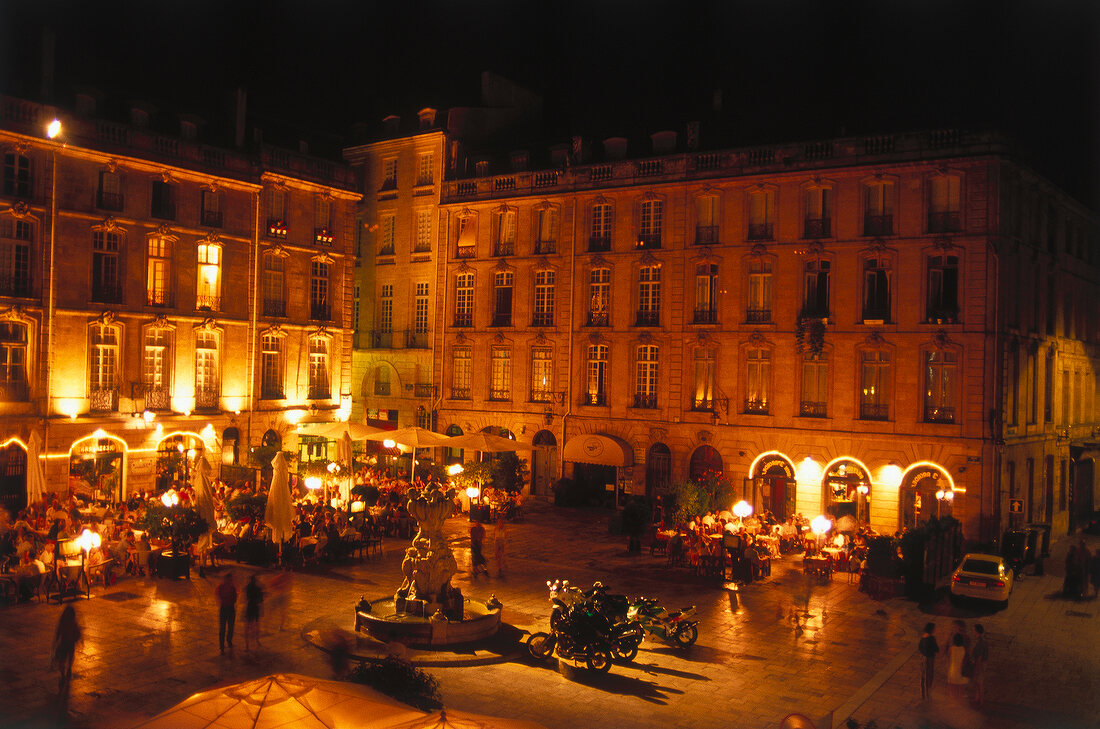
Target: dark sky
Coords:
[(788, 69)]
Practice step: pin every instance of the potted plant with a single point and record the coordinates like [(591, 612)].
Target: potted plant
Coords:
[(181, 526)]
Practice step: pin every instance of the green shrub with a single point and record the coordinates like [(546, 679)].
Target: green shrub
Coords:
[(251, 506), (402, 680), (368, 492)]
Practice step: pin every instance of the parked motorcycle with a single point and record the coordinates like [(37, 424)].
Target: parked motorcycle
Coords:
[(678, 628), (577, 637)]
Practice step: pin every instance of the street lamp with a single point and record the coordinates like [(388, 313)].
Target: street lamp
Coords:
[(741, 510), (943, 495), (820, 526)]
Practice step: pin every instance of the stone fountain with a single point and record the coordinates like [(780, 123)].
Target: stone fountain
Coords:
[(427, 610)]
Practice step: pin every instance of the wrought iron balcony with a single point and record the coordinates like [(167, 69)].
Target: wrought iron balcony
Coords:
[(706, 235), (274, 307), (597, 319), (943, 314), (756, 407), (812, 409), (207, 302), (873, 411), (19, 286), (319, 311), (271, 391), (499, 394), (157, 397), (935, 414), (760, 231), (648, 318), (423, 389), (649, 241), (206, 398), (758, 316), (466, 252), (104, 400), (13, 391), (705, 315), (276, 228), (595, 398), (543, 247), (504, 248), (944, 222), (158, 298), (464, 319), (878, 224), (502, 319), (542, 319), (599, 244), (105, 292), (416, 340), (460, 393), (212, 218), (817, 228), (109, 201), (541, 396), (703, 404), (645, 400), (381, 339)]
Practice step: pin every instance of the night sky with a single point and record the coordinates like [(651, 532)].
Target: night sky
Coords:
[(787, 69)]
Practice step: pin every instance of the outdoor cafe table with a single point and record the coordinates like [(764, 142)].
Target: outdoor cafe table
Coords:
[(818, 567)]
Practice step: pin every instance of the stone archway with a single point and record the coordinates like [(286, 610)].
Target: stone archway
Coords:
[(917, 500), (774, 486), (704, 459)]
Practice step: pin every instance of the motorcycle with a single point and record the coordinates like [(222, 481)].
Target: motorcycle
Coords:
[(575, 611), (678, 628), (576, 637)]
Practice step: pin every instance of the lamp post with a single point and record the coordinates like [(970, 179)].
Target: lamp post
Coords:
[(820, 526), (943, 495), (741, 510)]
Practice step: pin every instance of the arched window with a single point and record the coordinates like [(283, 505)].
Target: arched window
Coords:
[(452, 455), (704, 460), (271, 439)]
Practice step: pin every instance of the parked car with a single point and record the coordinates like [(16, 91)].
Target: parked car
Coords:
[(983, 577)]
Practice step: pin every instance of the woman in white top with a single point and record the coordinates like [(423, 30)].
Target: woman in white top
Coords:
[(956, 655)]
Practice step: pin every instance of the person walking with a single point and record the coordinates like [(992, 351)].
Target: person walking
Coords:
[(979, 655), (253, 598), (928, 648), (65, 637), (477, 545), (956, 656), (500, 545), (1084, 558), (226, 594)]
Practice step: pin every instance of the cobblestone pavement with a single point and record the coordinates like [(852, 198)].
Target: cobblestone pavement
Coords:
[(151, 643)]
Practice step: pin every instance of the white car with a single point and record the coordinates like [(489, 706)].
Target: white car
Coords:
[(982, 576)]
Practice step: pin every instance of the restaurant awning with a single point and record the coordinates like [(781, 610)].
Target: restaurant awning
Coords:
[(603, 450)]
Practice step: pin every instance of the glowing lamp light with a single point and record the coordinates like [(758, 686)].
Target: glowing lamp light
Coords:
[(334, 503), (454, 469), (160, 429), (473, 492), (170, 498), (945, 495), (89, 540), (809, 470), (179, 447), (343, 414), (742, 509), (191, 453), (389, 443), (53, 128), (208, 432), (333, 467), (820, 525), (99, 433), (890, 475), (294, 416), (148, 416), (862, 488), (358, 507), (313, 483)]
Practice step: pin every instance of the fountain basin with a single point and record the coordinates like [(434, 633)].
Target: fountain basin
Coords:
[(383, 622)]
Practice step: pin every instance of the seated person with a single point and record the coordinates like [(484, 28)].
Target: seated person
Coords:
[(96, 564), (28, 576)]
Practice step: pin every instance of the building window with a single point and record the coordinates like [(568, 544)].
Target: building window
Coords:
[(319, 309), (109, 196), (420, 311), (104, 368), (878, 208), (596, 375), (388, 236), (542, 375), (158, 272), (704, 380), (276, 217), (819, 212), (502, 299), (424, 169), (1032, 388), (874, 386), (943, 289), (322, 222), (649, 296), (815, 293), (944, 204), (106, 267), (706, 220), (385, 316), (164, 204), (208, 295), (504, 232), (466, 246), (500, 374), (876, 289), (211, 209), (599, 297), (706, 293), (761, 214), (319, 388), (940, 374), (274, 285), (156, 369), (271, 367), (13, 362), (464, 300), (1012, 382), (760, 291), (758, 376), (16, 236), (600, 237), (544, 299), (547, 221), (17, 175), (355, 302), (460, 373), (1048, 388), (649, 233), (815, 387), (382, 381), (207, 387), (423, 231), (645, 377), (389, 174)]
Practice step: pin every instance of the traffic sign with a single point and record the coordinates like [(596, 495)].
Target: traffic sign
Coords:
[(1015, 506)]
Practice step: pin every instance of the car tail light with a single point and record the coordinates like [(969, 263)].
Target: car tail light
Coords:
[(1000, 583), (956, 578)]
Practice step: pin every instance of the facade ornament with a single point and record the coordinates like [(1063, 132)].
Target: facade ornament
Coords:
[(209, 324), (322, 258), (657, 434), (942, 340), (499, 338), (466, 213), (874, 339), (166, 177), (461, 338), (210, 239), (14, 313), (943, 243), (160, 321), (502, 265), (703, 338), (595, 338), (107, 318), (540, 338), (19, 209), (164, 231), (878, 245), (649, 196), (112, 166), (601, 200), (109, 224), (758, 249), (598, 261), (464, 268), (704, 436), (645, 338), (278, 252), (542, 263), (275, 330), (321, 331), (815, 249), (648, 259), (20, 148), (757, 339)]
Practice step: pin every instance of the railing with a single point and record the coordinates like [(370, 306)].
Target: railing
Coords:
[(542, 319), (944, 222), (163, 210), (416, 340), (419, 247), (107, 293), (706, 235), (705, 316), (499, 394), (817, 228), (271, 391), (648, 318), (595, 398), (319, 392), (943, 315), (545, 246), (599, 244), (602, 173), (541, 396), (936, 414), (382, 339), (649, 240), (703, 404), (466, 252), (274, 307), (423, 389), (504, 248), (501, 319), (390, 183), (464, 320), (13, 391), (466, 187), (503, 184), (109, 201), (546, 179), (708, 161), (212, 218), (760, 231), (597, 319), (104, 401), (460, 393), (871, 411), (15, 286), (812, 409), (157, 397), (319, 311), (206, 398), (649, 167), (758, 316), (208, 302), (878, 224), (756, 407), (645, 400)]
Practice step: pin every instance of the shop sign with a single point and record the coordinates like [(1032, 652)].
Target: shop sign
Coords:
[(766, 467), (93, 447)]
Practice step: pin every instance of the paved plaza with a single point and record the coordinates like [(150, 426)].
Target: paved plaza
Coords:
[(148, 644)]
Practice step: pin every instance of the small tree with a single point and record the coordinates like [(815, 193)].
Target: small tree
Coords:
[(473, 474), (252, 507), (509, 472), (180, 525)]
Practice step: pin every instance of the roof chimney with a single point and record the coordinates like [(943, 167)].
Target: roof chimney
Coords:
[(427, 117)]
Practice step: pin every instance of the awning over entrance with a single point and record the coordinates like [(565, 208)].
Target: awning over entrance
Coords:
[(603, 450)]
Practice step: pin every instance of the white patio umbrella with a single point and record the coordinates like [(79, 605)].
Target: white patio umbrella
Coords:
[(285, 700), (412, 437), (486, 443), (201, 482), (36, 476), (335, 431), (454, 719), (279, 512), (345, 454)]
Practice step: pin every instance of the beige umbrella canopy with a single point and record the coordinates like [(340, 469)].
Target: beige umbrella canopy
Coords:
[(279, 511), (286, 700), (450, 719), (201, 480), (486, 443), (336, 431), (411, 437)]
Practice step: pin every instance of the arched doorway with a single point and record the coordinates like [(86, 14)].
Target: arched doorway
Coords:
[(271, 439), (231, 454), (452, 455), (658, 470), (13, 478), (846, 490), (544, 463), (917, 497), (96, 466), (705, 459), (176, 456), (774, 486)]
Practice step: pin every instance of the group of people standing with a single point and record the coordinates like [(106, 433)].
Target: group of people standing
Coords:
[(966, 661)]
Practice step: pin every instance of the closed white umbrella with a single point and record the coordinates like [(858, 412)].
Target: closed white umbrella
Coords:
[(36, 476), (453, 719), (346, 455), (357, 431), (279, 512), (201, 482)]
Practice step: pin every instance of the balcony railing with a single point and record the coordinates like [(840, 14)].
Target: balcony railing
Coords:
[(13, 391), (319, 392), (466, 252), (705, 315), (158, 298), (814, 310), (109, 201), (502, 319), (872, 411), (541, 396), (758, 316), (206, 398), (499, 394), (504, 248), (104, 401), (319, 311), (595, 398), (943, 314), (760, 231), (542, 319), (416, 340), (276, 228), (274, 307), (381, 339), (706, 235), (464, 319), (423, 389), (207, 302), (645, 400), (878, 224), (944, 222), (648, 318), (597, 319), (812, 409), (271, 391), (157, 397), (703, 404), (934, 414), (543, 247), (107, 293), (163, 210), (876, 313), (599, 244), (212, 218), (460, 393), (15, 286), (817, 228), (649, 241), (756, 407)]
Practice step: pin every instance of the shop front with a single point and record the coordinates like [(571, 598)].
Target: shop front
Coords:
[(97, 467), (773, 486)]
